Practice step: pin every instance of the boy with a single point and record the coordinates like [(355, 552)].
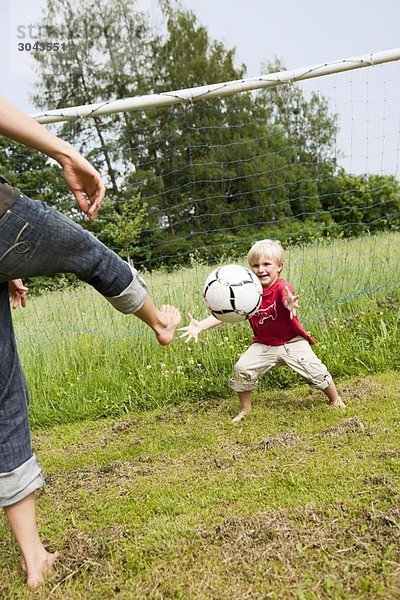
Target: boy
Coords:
[(279, 337)]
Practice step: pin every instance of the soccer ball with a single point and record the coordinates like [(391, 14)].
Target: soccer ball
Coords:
[(232, 293)]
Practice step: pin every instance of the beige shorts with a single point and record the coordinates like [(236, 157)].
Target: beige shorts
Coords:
[(296, 354)]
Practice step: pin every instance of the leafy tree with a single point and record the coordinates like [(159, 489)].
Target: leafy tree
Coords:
[(310, 151), (210, 166), (361, 203), (34, 174), (193, 174), (105, 59), (120, 231)]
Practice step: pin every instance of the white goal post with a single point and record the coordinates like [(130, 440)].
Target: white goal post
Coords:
[(218, 89)]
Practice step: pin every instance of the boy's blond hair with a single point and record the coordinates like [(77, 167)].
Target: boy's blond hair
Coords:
[(269, 248)]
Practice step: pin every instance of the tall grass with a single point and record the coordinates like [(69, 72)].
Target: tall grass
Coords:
[(84, 360)]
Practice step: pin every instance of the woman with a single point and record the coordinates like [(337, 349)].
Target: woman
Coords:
[(37, 240)]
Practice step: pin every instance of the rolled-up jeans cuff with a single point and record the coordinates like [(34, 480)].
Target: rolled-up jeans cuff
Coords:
[(19, 483), (132, 298)]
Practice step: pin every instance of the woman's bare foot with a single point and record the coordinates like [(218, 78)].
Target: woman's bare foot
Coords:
[(170, 318), (338, 403), (36, 573)]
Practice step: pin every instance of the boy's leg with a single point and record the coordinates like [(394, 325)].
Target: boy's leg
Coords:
[(333, 396), (36, 561), (257, 360), (299, 356), (245, 406)]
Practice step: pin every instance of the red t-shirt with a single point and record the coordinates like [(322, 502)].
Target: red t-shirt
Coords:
[(272, 324)]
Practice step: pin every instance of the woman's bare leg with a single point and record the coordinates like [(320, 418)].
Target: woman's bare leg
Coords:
[(36, 561), (163, 321)]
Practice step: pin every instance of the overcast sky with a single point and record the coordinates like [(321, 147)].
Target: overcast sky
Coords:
[(299, 32)]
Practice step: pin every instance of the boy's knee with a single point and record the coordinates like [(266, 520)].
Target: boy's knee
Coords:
[(314, 371), (242, 379), (320, 380)]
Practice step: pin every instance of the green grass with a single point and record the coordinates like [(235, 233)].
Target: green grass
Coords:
[(153, 493), (84, 360), (298, 501)]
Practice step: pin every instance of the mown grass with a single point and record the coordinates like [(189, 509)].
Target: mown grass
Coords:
[(298, 501), (162, 497)]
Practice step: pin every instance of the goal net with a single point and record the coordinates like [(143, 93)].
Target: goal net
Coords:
[(192, 184)]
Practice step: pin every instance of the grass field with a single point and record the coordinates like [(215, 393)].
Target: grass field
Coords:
[(153, 493), (299, 501), (84, 360)]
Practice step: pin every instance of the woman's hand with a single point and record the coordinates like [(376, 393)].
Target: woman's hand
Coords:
[(18, 293)]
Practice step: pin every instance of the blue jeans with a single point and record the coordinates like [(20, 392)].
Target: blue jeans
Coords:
[(20, 473), (36, 240)]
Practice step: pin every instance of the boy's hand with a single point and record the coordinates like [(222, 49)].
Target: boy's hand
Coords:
[(291, 302), (191, 331), (18, 293)]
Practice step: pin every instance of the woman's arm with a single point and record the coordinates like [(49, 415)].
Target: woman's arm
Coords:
[(82, 179)]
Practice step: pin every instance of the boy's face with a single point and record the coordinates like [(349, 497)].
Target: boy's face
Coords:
[(266, 269)]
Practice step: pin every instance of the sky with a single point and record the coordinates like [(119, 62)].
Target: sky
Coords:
[(299, 32)]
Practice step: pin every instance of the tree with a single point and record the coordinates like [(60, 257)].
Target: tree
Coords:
[(102, 62), (310, 131), (34, 174), (361, 203), (192, 174), (206, 167)]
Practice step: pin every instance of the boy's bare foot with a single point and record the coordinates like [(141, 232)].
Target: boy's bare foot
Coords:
[(241, 415), (36, 573), (170, 319), (338, 403)]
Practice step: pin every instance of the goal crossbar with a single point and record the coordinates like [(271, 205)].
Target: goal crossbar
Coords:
[(218, 89)]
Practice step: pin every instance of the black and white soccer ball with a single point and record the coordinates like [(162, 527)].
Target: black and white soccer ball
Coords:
[(232, 293)]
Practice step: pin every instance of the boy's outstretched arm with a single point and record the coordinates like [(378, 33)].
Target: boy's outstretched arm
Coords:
[(291, 302), (192, 331)]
